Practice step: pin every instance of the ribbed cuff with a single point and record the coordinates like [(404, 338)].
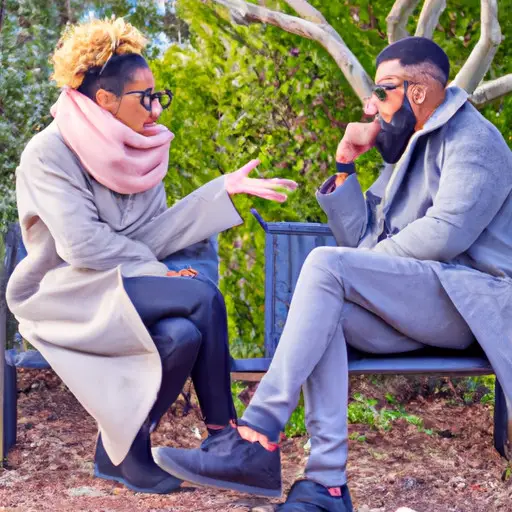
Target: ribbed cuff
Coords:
[(349, 168)]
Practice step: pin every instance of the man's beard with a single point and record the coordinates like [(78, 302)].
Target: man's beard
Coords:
[(394, 136)]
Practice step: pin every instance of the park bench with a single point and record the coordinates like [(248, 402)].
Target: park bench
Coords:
[(287, 245)]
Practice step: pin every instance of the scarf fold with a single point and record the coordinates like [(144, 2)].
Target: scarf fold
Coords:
[(116, 156)]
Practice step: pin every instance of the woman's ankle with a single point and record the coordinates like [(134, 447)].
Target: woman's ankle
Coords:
[(213, 430)]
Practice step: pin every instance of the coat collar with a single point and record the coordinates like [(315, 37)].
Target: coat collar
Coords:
[(455, 98)]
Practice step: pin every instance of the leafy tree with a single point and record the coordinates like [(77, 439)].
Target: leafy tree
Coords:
[(29, 31), (240, 92), (258, 91)]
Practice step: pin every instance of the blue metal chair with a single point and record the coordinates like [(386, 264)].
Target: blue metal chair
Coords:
[(14, 352), (287, 245)]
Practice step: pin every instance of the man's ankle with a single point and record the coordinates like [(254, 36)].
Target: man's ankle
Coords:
[(253, 436)]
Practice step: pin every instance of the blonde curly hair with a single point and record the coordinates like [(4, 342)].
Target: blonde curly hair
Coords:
[(91, 44)]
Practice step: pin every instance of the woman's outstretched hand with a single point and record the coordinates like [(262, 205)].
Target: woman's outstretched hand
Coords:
[(238, 182)]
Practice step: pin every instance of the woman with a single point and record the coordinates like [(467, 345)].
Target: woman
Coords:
[(93, 295)]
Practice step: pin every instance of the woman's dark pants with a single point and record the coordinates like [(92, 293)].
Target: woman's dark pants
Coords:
[(186, 318), (199, 301)]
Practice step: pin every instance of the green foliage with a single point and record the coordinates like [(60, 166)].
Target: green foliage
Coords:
[(247, 92), (363, 410), (236, 389), (296, 425), (478, 389), (240, 93), (356, 436), (29, 32), (25, 91), (256, 91)]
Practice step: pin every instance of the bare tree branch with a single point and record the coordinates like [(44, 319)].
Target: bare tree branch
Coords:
[(478, 63), (398, 17), (69, 10), (245, 13), (492, 90), (429, 17), (307, 11)]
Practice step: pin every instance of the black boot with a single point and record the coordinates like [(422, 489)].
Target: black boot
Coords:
[(138, 470), (178, 342)]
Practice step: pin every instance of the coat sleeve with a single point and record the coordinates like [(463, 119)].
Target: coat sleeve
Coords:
[(346, 210), (203, 213), (476, 178)]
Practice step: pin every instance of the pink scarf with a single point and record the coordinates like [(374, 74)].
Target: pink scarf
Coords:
[(116, 156)]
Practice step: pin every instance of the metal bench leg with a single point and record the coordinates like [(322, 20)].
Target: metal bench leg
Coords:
[(3, 343), (501, 437)]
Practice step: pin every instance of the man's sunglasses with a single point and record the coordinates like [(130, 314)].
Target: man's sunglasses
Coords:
[(381, 91), (147, 97)]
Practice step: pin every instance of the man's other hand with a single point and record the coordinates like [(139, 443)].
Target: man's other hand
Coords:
[(358, 139)]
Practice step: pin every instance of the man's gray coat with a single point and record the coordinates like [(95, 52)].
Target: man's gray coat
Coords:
[(448, 202)]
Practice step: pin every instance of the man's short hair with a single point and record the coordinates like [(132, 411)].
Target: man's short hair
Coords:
[(418, 51)]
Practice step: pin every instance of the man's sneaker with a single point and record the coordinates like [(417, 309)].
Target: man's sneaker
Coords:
[(309, 496), (225, 461)]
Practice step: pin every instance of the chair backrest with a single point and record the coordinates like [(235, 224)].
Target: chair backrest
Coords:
[(14, 252), (287, 245)]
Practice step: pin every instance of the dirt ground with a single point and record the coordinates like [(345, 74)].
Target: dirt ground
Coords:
[(454, 469)]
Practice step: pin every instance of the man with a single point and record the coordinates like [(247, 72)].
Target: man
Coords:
[(424, 259)]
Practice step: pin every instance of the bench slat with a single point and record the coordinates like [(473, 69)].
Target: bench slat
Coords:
[(391, 365)]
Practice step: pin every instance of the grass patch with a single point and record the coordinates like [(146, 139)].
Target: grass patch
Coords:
[(363, 410), (479, 389)]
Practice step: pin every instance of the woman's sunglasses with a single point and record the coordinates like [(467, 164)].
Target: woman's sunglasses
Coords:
[(147, 97)]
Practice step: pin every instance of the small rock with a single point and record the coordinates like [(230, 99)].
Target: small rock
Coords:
[(447, 434), (391, 478), (409, 483), (458, 482), (307, 446), (85, 491), (51, 417)]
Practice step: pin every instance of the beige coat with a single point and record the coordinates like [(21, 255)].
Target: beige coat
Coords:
[(68, 295)]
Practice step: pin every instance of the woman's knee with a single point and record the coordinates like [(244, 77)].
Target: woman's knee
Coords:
[(208, 292), (178, 332)]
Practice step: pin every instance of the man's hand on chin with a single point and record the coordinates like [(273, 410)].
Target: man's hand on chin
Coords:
[(358, 139)]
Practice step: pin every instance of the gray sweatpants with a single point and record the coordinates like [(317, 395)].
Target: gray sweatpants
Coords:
[(372, 301)]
